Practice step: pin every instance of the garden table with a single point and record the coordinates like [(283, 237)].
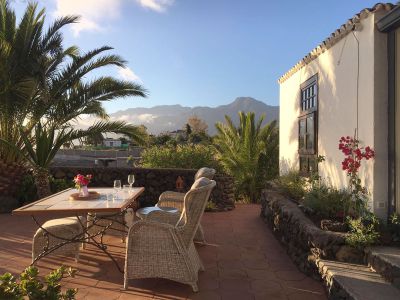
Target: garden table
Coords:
[(108, 207)]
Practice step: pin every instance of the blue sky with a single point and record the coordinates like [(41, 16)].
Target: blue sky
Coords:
[(203, 52)]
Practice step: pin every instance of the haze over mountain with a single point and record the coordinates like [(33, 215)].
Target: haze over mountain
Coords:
[(163, 118)]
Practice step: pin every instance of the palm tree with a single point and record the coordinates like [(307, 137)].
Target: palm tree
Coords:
[(248, 152), (44, 90), (20, 59)]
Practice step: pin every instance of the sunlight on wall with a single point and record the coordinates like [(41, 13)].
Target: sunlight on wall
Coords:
[(337, 110)]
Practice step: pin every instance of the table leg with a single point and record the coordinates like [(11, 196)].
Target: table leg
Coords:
[(84, 237)]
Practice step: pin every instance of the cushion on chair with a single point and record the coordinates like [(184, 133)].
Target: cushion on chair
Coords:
[(203, 181), (63, 228), (143, 212), (69, 221), (204, 172)]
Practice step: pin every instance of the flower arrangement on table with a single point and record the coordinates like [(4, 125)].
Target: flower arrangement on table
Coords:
[(82, 182)]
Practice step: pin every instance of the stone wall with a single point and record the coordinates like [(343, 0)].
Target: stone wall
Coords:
[(304, 241), (155, 182)]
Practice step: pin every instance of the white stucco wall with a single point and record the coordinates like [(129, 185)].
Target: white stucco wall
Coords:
[(115, 143), (337, 111)]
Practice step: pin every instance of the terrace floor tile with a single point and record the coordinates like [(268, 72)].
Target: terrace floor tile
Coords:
[(242, 260)]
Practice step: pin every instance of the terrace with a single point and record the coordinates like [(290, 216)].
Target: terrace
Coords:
[(243, 260), (229, 203)]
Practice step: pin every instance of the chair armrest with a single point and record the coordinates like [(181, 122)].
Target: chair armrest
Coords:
[(164, 217), (171, 199), (169, 195), (148, 236)]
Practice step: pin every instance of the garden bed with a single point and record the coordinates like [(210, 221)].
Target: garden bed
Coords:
[(305, 242)]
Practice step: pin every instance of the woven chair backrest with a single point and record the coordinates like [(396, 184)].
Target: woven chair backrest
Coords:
[(194, 204), (204, 172)]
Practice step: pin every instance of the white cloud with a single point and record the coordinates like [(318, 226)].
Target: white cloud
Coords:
[(136, 119), (128, 74), (92, 12), (156, 5), (147, 118), (97, 14)]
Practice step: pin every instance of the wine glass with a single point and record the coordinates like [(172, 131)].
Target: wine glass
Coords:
[(117, 185), (131, 179)]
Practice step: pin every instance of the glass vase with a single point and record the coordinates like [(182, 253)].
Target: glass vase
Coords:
[(84, 191)]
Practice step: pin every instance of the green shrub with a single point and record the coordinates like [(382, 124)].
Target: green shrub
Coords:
[(182, 156), (31, 287), (293, 185), (211, 206), (394, 227), (395, 219), (27, 192), (57, 185), (327, 202), (363, 231)]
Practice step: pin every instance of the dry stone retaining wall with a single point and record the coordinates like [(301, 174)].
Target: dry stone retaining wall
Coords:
[(155, 182), (304, 241)]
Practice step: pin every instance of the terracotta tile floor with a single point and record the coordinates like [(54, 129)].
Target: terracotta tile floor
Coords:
[(243, 261)]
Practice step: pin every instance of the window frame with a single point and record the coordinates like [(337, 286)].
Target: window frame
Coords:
[(306, 84), (304, 153)]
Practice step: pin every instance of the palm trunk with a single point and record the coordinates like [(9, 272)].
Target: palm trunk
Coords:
[(11, 175), (42, 182)]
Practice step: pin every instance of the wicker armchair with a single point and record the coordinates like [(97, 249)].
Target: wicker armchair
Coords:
[(175, 199), (162, 250)]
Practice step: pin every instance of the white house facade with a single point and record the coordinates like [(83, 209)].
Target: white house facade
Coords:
[(112, 143), (341, 89)]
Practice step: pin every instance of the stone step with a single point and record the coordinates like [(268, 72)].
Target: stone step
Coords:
[(355, 282), (385, 261)]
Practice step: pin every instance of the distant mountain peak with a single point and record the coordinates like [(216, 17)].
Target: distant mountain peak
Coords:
[(164, 118), (247, 102), (244, 99)]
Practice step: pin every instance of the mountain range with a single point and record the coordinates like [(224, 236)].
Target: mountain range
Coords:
[(164, 118)]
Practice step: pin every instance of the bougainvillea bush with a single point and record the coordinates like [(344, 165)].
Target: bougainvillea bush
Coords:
[(354, 155), (363, 224)]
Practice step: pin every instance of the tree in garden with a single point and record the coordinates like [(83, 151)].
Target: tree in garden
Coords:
[(188, 129), (199, 138), (197, 125), (161, 139), (21, 65), (44, 90), (95, 140), (248, 152), (124, 140)]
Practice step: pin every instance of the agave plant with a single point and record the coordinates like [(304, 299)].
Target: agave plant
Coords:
[(43, 90), (248, 152)]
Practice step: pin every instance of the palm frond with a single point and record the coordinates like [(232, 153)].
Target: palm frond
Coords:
[(119, 127)]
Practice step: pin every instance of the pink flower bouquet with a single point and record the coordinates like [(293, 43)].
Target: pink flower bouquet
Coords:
[(82, 180)]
